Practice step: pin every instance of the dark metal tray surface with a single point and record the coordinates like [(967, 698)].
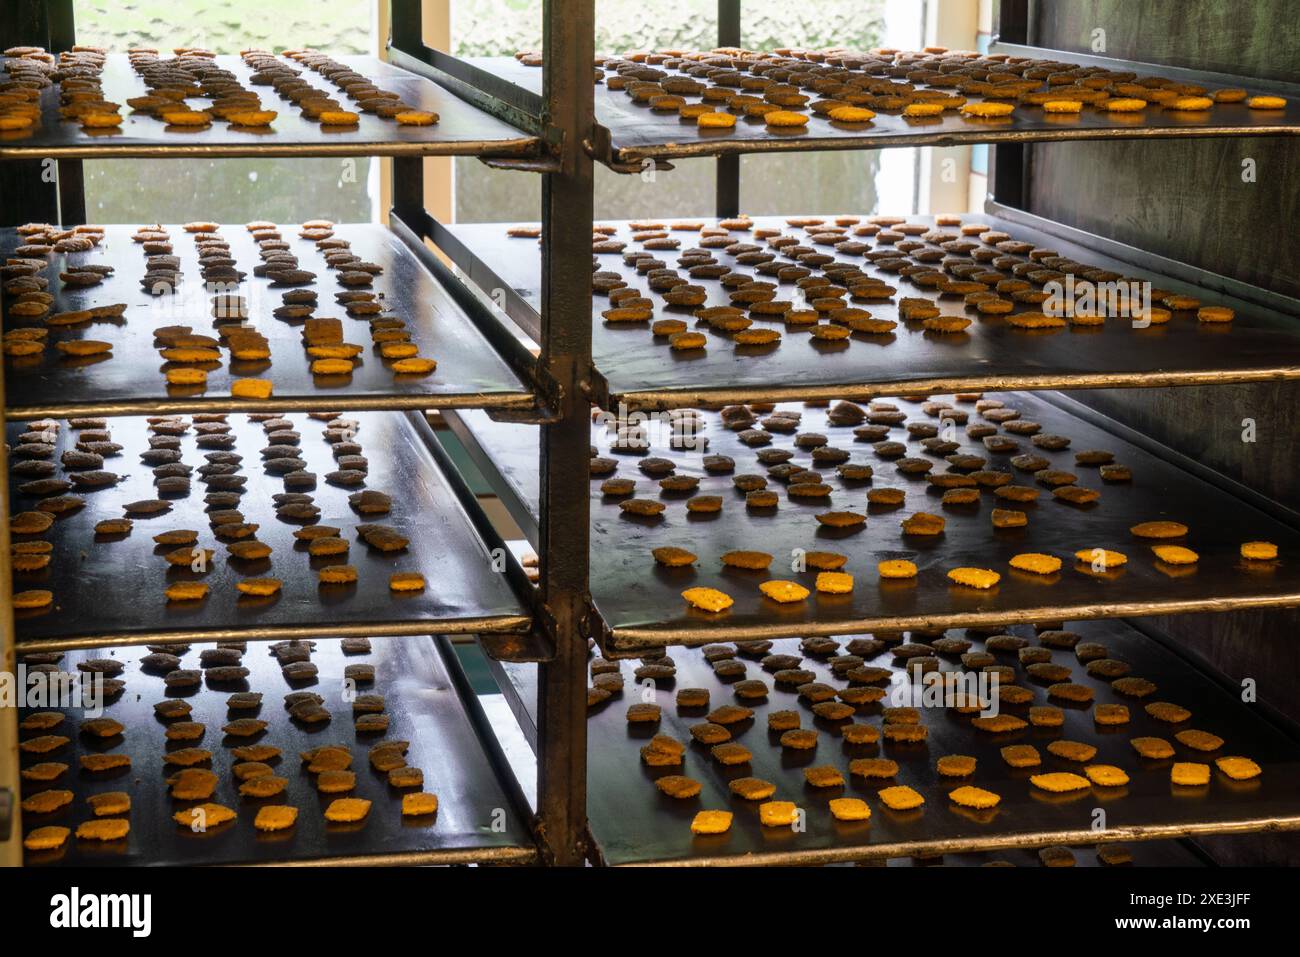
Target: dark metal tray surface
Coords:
[(110, 590), (640, 602), (479, 815), (519, 684), (634, 823), (635, 133), (133, 380), (640, 370), (462, 130)]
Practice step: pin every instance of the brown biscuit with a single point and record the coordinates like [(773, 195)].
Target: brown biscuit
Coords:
[(1150, 747), (1110, 714), (956, 765), (1072, 750), (1021, 756), (729, 714), (731, 753), (1199, 740), (873, 768), (859, 734), (709, 733), (752, 789), (693, 698), (678, 786)]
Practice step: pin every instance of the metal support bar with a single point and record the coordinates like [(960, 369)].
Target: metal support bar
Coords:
[(509, 299), (1011, 21), (500, 98), (520, 509), (412, 232), (62, 26), (71, 179), (29, 193), (728, 180), (518, 684), (538, 645), (491, 94), (568, 44), (1009, 174), (1009, 162), (524, 164), (72, 193), (478, 718), (11, 851), (26, 196), (727, 173), (408, 188)]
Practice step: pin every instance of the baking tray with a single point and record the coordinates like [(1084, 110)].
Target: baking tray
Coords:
[(634, 824), (133, 381), (111, 592), (640, 371), (480, 814), (631, 133), (518, 684), (462, 130), (640, 602)]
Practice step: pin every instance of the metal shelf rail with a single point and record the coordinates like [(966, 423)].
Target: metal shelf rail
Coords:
[(563, 117)]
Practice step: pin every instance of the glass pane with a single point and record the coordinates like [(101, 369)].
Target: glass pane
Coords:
[(228, 190)]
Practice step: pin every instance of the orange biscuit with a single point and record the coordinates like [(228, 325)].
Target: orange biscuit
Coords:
[(708, 599), (968, 796), (783, 591), (1059, 781), (849, 809), (901, 798), (711, 822)]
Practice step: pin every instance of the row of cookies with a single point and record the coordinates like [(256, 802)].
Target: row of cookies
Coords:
[(786, 88), (821, 277), (968, 479), (27, 298), (189, 777), (36, 474), (848, 690), (188, 355), (76, 72), (190, 73)]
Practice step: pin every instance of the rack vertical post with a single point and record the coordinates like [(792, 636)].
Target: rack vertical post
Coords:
[(727, 200), (568, 45)]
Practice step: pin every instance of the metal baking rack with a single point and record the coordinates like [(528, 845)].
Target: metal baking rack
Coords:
[(559, 133)]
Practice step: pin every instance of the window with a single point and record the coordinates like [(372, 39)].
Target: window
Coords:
[(229, 190), (287, 190), (857, 181)]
